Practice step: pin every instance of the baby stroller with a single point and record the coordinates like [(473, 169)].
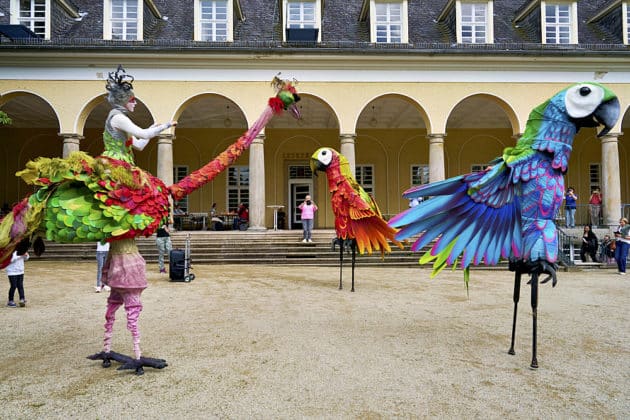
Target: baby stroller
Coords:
[(179, 264), (607, 250)]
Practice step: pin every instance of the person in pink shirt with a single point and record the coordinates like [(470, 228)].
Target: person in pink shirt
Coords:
[(308, 208)]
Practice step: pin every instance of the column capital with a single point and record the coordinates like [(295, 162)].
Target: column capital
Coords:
[(436, 137), (348, 136), (165, 138), (259, 139), (608, 137), (71, 136)]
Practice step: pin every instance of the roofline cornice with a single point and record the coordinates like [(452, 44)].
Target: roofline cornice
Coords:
[(362, 61)]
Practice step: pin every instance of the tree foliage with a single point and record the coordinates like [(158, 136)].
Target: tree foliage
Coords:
[(5, 119)]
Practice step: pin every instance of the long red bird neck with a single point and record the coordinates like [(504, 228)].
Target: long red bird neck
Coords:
[(213, 168)]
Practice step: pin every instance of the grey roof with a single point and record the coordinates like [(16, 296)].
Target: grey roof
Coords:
[(341, 28)]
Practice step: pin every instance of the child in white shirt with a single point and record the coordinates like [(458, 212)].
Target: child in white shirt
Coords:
[(15, 271)]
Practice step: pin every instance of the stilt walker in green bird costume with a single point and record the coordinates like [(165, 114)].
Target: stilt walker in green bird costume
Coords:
[(109, 199)]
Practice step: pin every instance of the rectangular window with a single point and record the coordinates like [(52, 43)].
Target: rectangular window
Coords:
[(594, 177), (237, 186), (557, 23), (626, 19), (214, 20), (477, 167), (364, 174), (300, 172), (474, 23), (388, 22), (419, 174), (180, 172), (301, 14), (32, 14), (124, 20)]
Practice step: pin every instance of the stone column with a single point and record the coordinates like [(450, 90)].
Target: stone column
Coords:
[(611, 186), (257, 184), (71, 142), (347, 141), (165, 157), (436, 157)]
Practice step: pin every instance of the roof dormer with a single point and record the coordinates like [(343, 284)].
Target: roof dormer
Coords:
[(389, 22), (302, 20), (555, 20), (470, 20)]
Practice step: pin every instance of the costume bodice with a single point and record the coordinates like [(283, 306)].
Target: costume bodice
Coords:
[(117, 144)]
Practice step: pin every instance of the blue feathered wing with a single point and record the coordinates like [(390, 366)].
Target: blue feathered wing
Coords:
[(476, 217)]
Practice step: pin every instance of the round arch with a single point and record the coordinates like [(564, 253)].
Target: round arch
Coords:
[(29, 109), (210, 110), (316, 113), (392, 110), (485, 104)]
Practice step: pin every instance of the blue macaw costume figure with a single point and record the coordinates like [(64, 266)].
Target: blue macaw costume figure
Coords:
[(507, 210)]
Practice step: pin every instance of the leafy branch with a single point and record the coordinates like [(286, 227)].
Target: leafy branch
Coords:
[(5, 119)]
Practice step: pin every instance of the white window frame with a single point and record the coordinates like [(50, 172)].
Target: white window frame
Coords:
[(107, 20), (229, 22), (360, 175), (29, 22), (404, 29), (594, 175), (241, 188), (478, 167), (317, 22), (419, 174), (573, 29), (180, 172), (488, 23), (625, 22)]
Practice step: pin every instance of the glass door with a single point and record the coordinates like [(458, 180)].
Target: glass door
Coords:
[(300, 185)]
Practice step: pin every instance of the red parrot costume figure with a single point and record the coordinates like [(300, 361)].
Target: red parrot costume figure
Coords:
[(109, 199), (358, 220)]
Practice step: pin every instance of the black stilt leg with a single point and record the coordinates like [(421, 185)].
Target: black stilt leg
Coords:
[(353, 245), (534, 282), (341, 243), (516, 297)]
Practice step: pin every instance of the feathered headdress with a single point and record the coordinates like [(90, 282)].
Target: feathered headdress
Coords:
[(119, 86)]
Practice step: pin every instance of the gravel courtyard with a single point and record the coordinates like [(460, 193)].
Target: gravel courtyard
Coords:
[(283, 342)]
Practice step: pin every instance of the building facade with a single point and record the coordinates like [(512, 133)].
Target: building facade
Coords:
[(409, 91)]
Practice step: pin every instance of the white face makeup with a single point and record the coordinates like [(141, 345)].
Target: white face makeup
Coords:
[(131, 105)]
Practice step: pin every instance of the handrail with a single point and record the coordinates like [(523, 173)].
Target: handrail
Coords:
[(566, 248)]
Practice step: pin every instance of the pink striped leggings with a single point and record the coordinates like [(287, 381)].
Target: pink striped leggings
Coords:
[(131, 299)]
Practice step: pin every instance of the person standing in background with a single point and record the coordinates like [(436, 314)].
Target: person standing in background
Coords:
[(15, 272), (570, 204), (101, 256), (622, 238), (164, 245), (595, 206), (589, 245), (308, 208)]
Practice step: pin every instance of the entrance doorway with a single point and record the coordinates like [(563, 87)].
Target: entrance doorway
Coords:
[(300, 185)]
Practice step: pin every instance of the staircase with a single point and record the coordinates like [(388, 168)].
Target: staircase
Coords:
[(285, 247), (570, 242), (246, 247)]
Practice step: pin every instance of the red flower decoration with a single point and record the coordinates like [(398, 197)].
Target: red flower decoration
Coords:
[(276, 104)]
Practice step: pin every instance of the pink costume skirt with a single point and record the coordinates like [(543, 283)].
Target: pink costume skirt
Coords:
[(126, 270)]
